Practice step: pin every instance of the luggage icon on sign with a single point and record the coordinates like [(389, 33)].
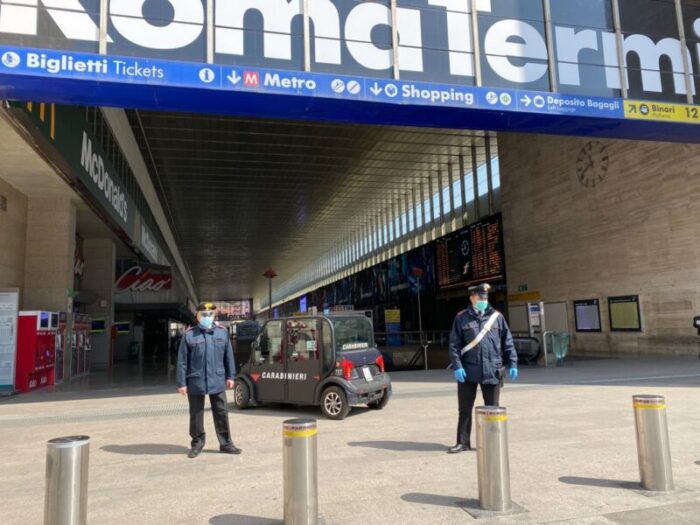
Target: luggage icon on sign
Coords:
[(338, 86)]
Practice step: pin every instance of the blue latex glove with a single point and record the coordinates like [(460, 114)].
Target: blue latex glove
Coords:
[(513, 374), (461, 375)]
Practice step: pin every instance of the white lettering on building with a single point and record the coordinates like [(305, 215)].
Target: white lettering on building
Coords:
[(187, 24), (514, 49), (94, 165), (148, 244)]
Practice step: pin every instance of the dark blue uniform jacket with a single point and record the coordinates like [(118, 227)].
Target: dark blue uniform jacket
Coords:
[(205, 360), (484, 360)]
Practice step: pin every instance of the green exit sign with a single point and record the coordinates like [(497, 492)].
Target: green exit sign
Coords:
[(522, 288)]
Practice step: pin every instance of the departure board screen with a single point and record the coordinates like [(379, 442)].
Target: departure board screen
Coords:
[(471, 255)]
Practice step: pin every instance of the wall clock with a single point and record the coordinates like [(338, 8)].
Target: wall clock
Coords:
[(592, 164)]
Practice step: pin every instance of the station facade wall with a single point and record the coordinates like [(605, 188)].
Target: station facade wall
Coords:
[(13, 233), (578, 226)]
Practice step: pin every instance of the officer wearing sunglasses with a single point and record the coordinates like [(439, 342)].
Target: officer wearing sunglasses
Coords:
[(480, 346), (205, 366)]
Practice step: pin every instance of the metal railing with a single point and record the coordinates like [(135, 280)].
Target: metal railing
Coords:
[(410, 338), (528, 349), (414, 338)]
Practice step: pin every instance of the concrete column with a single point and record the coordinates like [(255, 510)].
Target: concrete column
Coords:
[(98, 278), (13, 232), (50, 252)]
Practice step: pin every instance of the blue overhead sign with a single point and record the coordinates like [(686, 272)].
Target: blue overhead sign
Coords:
[(81, 78), (124, 70)]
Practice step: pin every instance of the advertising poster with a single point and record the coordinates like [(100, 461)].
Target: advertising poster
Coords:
[(587, 314), (236, 310), (624, 314), (9, 304), (364, 287), (343, 291), (379, 276), (392, 320), (328, 296), (422, 259), (398, 276)]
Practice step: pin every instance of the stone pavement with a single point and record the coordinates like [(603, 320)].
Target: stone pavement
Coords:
[(571, 433)]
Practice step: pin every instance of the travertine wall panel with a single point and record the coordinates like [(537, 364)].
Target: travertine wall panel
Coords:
[(636, 232)]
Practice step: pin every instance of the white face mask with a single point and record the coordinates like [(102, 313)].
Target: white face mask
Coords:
[(206, 322)]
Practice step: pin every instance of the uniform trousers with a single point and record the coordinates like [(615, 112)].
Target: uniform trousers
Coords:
[(219, 412), (466, 395)]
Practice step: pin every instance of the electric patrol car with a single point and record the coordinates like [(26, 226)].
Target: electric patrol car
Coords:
[(329, 361)]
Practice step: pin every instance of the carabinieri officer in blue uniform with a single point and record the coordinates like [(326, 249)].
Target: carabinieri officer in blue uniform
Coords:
[(480, 345), (205, 366)]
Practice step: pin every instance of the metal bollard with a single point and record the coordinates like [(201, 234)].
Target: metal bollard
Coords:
[(492, 459), (653, 447), (300, 472), (67, 460)]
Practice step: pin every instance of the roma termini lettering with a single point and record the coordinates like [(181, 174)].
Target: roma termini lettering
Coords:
[(447, 40)]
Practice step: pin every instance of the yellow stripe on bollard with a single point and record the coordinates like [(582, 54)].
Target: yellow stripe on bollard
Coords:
[(650, 406), (300, 433), (495, 418)]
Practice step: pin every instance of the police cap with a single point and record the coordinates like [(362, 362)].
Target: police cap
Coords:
[(206, 307), (480, 289)]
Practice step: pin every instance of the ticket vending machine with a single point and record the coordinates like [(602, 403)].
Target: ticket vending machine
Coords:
[(60, 347), (36, 349), (535, 318), (74, 347), (77, 346), (81, 344), (87, 326), (537, 329)]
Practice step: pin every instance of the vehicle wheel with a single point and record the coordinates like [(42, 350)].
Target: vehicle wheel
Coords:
[(241, 395), (379, 403), (334, 403)]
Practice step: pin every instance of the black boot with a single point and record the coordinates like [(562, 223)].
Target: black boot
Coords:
[(194, 452), (230, 449), (458, 448)]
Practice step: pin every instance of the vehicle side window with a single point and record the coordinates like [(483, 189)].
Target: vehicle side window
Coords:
[(303, 339), (270, 343), (328, 354)]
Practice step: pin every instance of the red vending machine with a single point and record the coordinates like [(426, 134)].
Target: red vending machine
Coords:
[(36, 349)]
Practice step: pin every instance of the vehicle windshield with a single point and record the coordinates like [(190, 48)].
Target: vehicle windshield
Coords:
[(246, 330), (352, 333)]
